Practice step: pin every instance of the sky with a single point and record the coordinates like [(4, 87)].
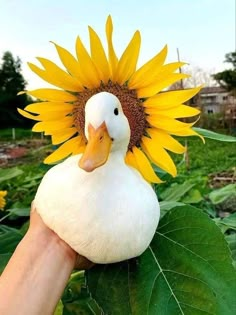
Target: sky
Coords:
[(203, 30)]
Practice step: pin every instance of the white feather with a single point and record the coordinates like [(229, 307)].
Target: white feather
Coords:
[(108, 215)]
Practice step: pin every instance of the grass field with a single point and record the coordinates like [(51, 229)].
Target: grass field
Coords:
[(20, 133)]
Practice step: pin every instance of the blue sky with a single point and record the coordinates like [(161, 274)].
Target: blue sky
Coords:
[(203, 30)]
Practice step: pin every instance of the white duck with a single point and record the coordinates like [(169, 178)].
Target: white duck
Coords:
[(100, 206)]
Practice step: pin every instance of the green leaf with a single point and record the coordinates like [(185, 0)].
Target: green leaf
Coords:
[(231, 239), (213, 135), (187, 270), (193, 196), (76, 299), (4, 258), (59, 308), (176, 191), (9, 239), (20, 212), (167, 205), (227, 223), (220, 195), (9, 173), (230, 221)]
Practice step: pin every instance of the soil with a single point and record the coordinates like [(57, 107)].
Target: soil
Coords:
[(14, 153), (218, 180)]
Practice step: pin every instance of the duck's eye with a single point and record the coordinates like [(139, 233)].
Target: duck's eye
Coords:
[(116, 111)]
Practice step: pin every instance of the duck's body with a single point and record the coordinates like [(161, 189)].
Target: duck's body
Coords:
[(101, 207), (112, 213)]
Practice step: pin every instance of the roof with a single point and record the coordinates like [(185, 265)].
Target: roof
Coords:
[(213, 89)]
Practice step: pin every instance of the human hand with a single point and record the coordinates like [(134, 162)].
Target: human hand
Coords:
[(38, 226), (38, 269)]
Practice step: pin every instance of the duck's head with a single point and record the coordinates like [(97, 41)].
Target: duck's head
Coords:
[(106, 128)]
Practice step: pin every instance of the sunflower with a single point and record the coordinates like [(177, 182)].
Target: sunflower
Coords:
[(3, 193), (153, 114)]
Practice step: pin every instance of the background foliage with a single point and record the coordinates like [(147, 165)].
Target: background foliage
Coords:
[(227, 78), (189, 266), (12, 82)]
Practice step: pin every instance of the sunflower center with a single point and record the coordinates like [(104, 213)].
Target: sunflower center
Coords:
[(131, 105)]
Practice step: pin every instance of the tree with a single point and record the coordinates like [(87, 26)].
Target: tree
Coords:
[(11, 82), (227, 78), (198, 76)]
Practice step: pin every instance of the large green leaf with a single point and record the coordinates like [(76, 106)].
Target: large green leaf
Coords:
[(187, 270), (167, 205), (9, 173), (214, 135)]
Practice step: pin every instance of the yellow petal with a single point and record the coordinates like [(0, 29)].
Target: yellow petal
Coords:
[(145, 167), (166, 123), (158, 155), (48, 116), (55, 75), (80, 149), (161, 111), (69, 61), (128, 61), (64, 150), (51, 116), (53, 95), (42, 74), (98, 56), (50, 126), (160, 83), (171, 98), (181, 111), (171, 67), (148, 71), (130, 160), (63, 135), (3, 193), (87, 66), (166, 141), (186, 132), (44, 107), (113, 60), (28, 115)]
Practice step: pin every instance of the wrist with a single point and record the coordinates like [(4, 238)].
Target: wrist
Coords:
[(39, 268), (44, 239)]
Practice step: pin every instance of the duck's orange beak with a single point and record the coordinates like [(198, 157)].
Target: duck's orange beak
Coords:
[(97, 149)]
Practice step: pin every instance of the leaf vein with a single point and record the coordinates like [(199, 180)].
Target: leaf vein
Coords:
[(189, 250), (161, 271)]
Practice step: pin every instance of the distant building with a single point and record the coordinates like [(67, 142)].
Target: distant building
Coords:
[(215, 99)]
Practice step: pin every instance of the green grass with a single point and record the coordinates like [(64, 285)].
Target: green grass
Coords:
[(20, 133), (213, 156), (204, 159)]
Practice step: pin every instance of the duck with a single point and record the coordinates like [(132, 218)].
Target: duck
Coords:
[(102, 207)]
